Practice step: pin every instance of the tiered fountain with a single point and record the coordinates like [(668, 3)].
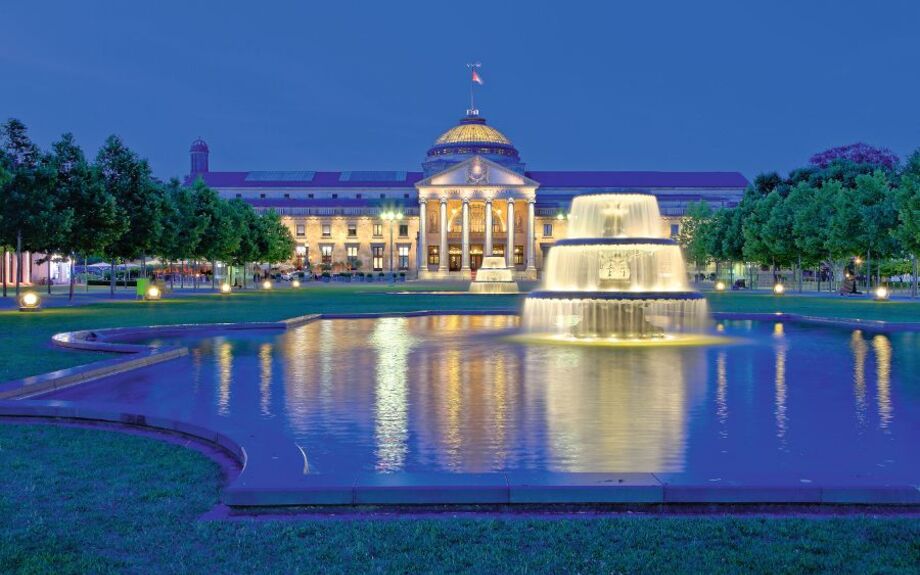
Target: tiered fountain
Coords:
[(615, 277), (494, 277)]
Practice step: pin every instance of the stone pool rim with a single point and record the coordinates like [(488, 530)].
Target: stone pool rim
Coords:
[(262, 482)]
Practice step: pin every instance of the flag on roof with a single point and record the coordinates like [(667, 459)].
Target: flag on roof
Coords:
[(476, 78)]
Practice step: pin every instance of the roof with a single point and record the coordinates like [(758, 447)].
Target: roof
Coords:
[(472, 129), (400, 179), (639, 179)]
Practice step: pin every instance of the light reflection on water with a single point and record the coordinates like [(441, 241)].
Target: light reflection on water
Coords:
[(454, 393)]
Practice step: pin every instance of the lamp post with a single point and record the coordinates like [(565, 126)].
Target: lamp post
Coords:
[(391, 217)]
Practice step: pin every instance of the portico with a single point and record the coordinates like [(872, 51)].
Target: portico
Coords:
[(474, 209)]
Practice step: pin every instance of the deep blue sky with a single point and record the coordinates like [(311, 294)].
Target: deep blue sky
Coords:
[(340, 85)]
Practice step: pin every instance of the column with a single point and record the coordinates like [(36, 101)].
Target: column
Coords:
[(422, 255), (442, 266), (465, 257), (488, 247), (529, 247), (509, 245)]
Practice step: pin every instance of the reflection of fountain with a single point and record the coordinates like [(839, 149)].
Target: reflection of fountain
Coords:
[(615, 276), (494, 277)]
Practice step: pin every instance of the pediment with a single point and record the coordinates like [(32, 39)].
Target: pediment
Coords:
[(477, 171)]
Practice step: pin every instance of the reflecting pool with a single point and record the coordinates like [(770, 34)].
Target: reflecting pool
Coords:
[(458, 393)]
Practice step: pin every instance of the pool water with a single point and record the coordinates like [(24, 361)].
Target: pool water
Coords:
[(461, 394)]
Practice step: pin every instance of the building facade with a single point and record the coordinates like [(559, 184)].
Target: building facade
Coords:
[(473, 198)]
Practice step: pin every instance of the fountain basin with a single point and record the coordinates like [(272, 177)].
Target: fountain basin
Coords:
[(494, 277)]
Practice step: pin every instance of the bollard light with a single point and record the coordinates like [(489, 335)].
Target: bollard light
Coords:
[(225, 288), (720, 286), (779, 289), (30, 301), (882, 293), (295, 283), (267, 284), (153, 293)]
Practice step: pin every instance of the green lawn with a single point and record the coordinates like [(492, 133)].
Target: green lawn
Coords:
[(78, 500), (25, 348)]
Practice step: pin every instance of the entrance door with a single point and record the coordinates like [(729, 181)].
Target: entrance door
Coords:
[(475, 257), (455, 259)]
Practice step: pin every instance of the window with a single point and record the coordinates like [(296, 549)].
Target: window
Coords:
[(378, 230), (547, 230), (326, 251), (287, 196), (262, 196), (383, 196), (358, 196), (238, 196), (434, 257), (310, 196), (351, 254), (335, 196), (301, 230), (327, 230), (406, 196), (518, 255), (675, 230), (377, 252), (352, 230), (403, 230), (498, 251), (402, 255)]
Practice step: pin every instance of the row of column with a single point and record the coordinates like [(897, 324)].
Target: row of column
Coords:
[(529, 260)]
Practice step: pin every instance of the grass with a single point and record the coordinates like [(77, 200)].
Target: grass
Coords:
[(76, 500), (24, 338)]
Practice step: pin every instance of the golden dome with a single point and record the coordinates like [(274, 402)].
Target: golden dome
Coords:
[(472, 131)]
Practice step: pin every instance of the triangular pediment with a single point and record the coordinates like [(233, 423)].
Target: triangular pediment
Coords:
[(477, 171)]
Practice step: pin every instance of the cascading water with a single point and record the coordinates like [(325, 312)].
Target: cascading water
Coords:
[(615, 276)]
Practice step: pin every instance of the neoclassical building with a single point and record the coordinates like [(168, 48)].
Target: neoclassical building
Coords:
[(473, 198)]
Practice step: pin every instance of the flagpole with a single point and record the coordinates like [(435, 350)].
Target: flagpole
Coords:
[(472, 67)]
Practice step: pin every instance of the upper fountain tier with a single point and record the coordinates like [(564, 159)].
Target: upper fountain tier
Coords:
[(628, 215)]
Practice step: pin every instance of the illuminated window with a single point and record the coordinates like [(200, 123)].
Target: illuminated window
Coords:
[(326, 252), (378, 230), (403, 230), (547, 230), (377, 252), (403, 257), (301, 230), (351, 254), (518, 255), (675, 230), (352, 229), (327, 230), (434, 257)]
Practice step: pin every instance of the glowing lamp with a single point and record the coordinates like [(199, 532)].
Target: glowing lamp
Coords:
[(225, 288), (857, 260), (882, 293), (295, 283), (720, 286), (779, 289), (29, 301), (267, 284), (153, 293)]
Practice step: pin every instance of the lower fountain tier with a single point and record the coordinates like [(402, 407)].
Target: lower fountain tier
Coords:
[(614, 315), (493, 287)]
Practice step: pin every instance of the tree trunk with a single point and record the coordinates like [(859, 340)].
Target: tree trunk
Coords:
[(3, 271), (214, 275), (112, 281), (18, 261), (798, 268), (913, 278), (868, 271), (73, 257), (49, 274)]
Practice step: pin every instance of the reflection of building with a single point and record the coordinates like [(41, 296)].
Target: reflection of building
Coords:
[(473, 199)]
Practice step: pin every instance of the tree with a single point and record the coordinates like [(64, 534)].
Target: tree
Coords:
[(95, 219), (182, 226), (907, 204), (692, 237), (277, 243), (28, 208), (248, 249), (811, 212), (221, 237), (858, 153), (127, 178)]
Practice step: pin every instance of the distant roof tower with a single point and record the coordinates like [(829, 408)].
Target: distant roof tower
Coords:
[(199, 157)]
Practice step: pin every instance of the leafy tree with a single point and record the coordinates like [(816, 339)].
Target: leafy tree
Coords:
[(277, 243), (94, 218), (221, 237), (28, 210), (182, 225), (692, 237), (248, 228), (907, 204), (858, 153), (140, 201)]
